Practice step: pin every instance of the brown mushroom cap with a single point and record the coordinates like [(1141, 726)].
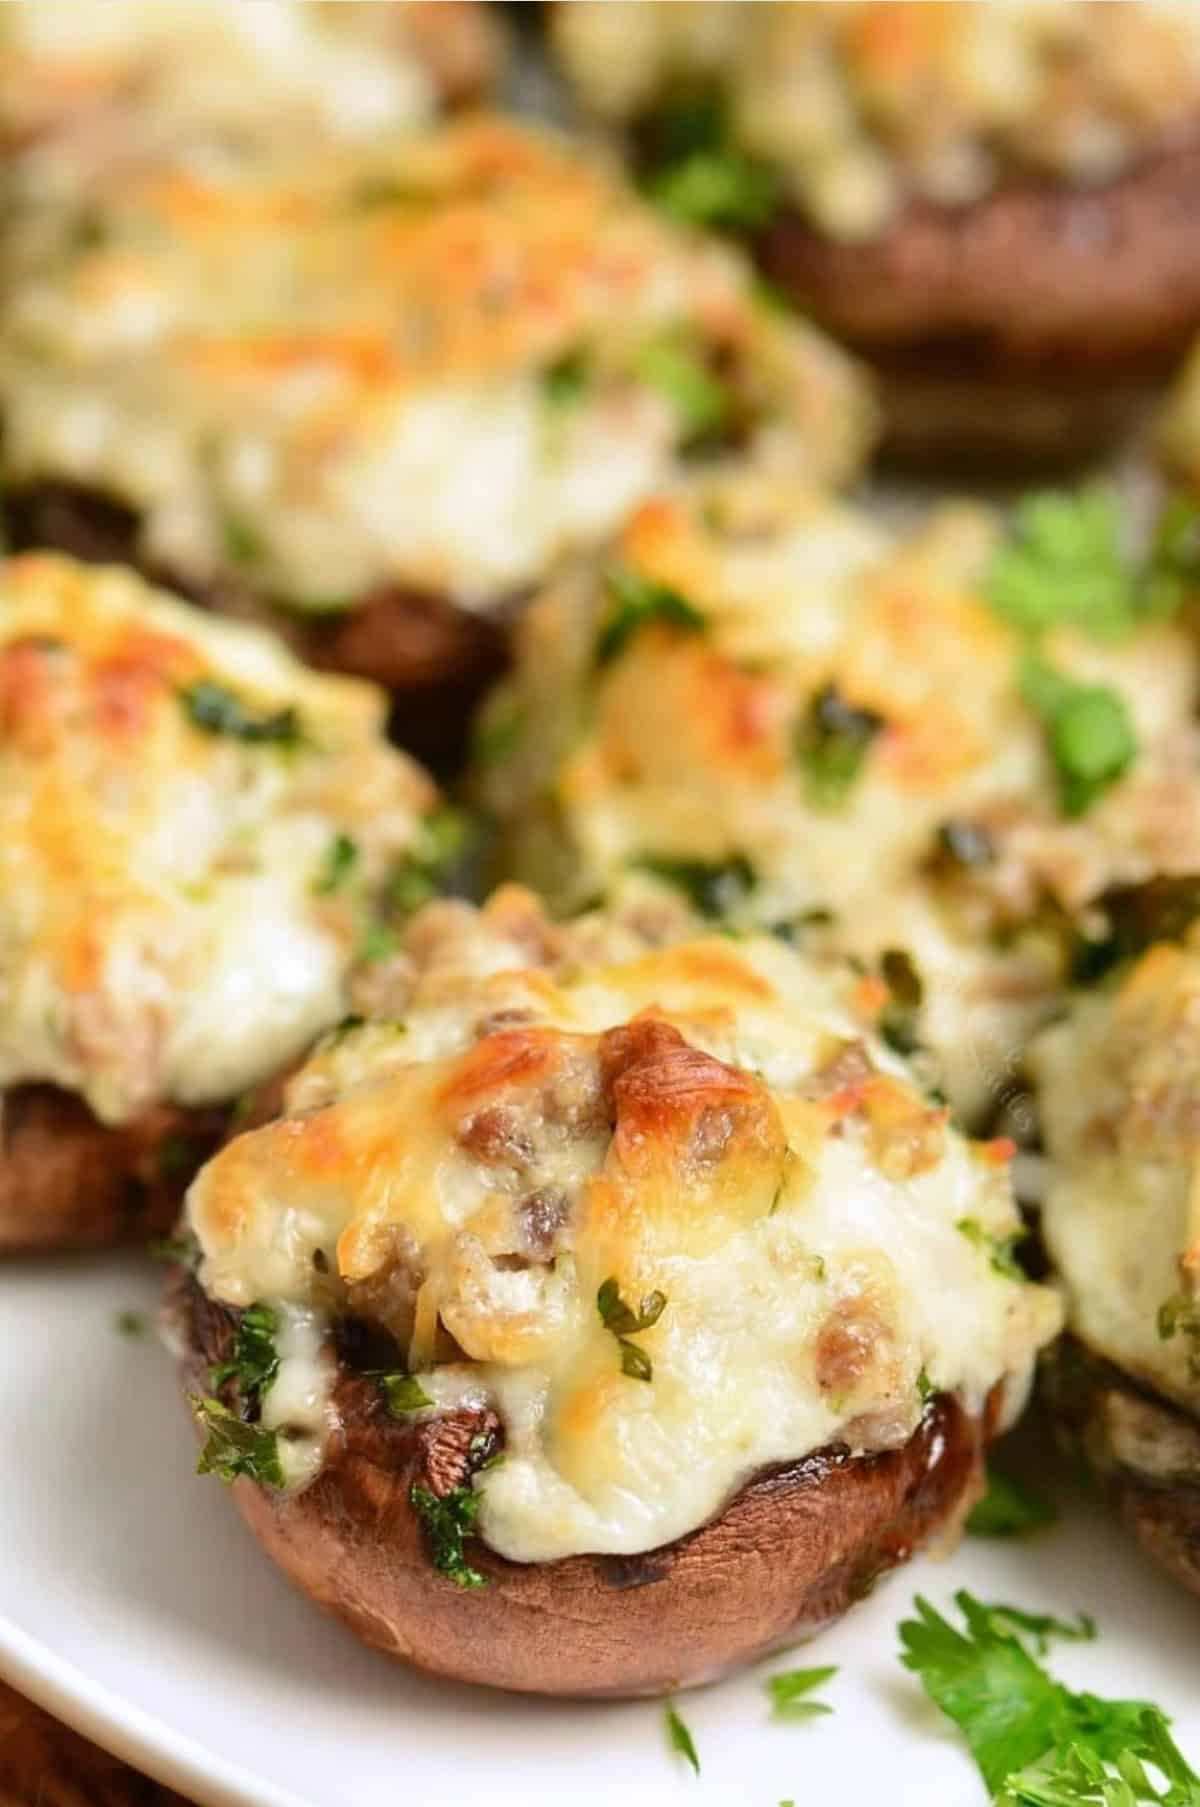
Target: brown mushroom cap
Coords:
[(437, 660), (69, 1181), (790, 1552), (1145, 1451)]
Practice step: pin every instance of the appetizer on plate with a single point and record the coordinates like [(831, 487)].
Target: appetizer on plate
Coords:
[(379, 392), (197, 835), (605, 1307), (936, 749), (193, 72), (1118, 1081), (994, 202)]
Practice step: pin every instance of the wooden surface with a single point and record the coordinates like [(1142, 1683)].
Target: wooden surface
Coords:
[(42, 1764)]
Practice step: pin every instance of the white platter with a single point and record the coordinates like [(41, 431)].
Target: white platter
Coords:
[(134, 1605)]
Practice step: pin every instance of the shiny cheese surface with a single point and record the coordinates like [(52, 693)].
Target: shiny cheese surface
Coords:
[(535, 1111), (445, 362), (181, 70), (862, 106), (688, 746), (1118, 1081), (168, 924)]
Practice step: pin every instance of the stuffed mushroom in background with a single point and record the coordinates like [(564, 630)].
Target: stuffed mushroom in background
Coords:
[(1118, 1082), (936, 750), (378, 392), (603, 1309), (197, 839), (995, 203)]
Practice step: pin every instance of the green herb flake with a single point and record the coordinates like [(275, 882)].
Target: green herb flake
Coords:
[(446, 1522), (925, 1387), (680, 1739), (497, 733), (341, 858), (900, 1017), (235, 1447), (714, 888), (1064, 562), (442, 840), (565, 382), (1000, 1250), (1037, 1744), (718, 188), (130, 1324), (178, 1156), (624, 1323), (1180, 1316), (1173, 568), (403, 1392), (1009, 1509), (255, 1361), (377, 942), (1162, 908), (679, 373), (637, 602), (791, 1691), (1089, 733), (214, 709), (832, 743), (183, 1250)]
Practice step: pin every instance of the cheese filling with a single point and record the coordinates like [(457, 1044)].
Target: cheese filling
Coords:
[(671, 1211)]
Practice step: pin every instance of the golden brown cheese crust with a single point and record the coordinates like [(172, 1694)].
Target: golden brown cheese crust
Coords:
[(690, 746), (703, 1131), (448, 362), (193, 832)]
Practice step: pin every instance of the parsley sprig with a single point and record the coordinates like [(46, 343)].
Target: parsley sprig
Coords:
[(1036, 1742)]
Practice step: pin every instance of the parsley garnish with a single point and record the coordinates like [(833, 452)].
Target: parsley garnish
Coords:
[(403, 1392), (721, 188), (234, 1447), (447, 1521), (636, 602), (255, 1361), (1163, 908), (130, 1324), (898, 1020), (214, 709), (564, 383), (184, 1249), (1008, 1509), (497, 732), (681, 1739), (714, 888), (1089, 733), (680, 374), (624, 1323), (442, 840), (790, 1689), (178, 1155), (925, 1387), (242, 541), (1037, 1743), (341, 858), (1064, 562), (377, 942), (832, 742), (1180, 1314), (1000, 1250)]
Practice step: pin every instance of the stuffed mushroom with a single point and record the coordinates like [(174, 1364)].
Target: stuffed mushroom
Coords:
[(573, 1329), (935, 749), (1117, 1085), (198, 839), (377, 391), (993, 202)]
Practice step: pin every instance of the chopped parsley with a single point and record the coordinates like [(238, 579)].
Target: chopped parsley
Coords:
[(1173, 570), (183, 1249), (1037, 1743), (447, 1521), (1009, 1509), (377, 942), (925, 1387), (832, 743), (1064, 562), (130, 1324), (636, 602), (1180, 1316), (624, 1323), (679, 372), (341, 858), (1089, 733), (1162, 908), (1000, 1250), (214, 709), (178, 1156), (403, 1392), (714, 888), (497, 733), (680, 1738), (441, 842), (255, 1360), (720, 188), (564, 383), (235, 1447), (791, 1689), (899, 1018)]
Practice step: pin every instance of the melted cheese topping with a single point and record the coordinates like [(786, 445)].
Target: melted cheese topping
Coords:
[(860, 106), (685, 747), (1117, 1082), (557, 1108), (441, 362), (175, 69), (166, 926)]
